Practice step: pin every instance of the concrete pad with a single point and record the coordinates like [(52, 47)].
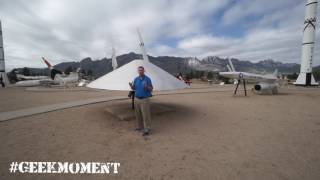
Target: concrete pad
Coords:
[(124, 112), (57, 89), (4, 116)]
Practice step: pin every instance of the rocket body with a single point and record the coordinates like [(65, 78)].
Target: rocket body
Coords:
[(2, 65), (114, 59), (305, 77), (3, 74)]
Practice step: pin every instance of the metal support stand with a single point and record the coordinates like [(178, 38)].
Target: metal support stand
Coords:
[(235, 91), (132, 101), (244, 85), (132, 96)]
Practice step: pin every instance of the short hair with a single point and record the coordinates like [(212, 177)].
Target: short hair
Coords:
[(141, 67)]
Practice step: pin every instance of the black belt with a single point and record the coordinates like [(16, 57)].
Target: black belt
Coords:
[(141, 97)]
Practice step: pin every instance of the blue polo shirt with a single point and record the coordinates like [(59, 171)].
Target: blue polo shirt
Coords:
[(139, 84)]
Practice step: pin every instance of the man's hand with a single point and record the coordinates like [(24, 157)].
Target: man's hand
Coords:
[(148, 88), (130, 84)]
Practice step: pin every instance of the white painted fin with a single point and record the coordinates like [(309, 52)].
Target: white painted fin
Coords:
[(141, 44)]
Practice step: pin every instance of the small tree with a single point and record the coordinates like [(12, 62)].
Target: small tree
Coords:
[(68, 70), (89, 72), (292, 76), (223, 79), (26, 71), (197, 74), (190, 75), (316, 75), (210, 75), (201, 74), (12, 76)]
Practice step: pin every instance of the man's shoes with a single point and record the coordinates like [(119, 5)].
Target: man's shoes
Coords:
[(138, 129), (146, 133)]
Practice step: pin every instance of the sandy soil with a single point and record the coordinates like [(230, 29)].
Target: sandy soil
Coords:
[(207, 136)]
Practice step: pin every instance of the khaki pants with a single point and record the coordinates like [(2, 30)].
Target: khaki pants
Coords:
[(143, 114)]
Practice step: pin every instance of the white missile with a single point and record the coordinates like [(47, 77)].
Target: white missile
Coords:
[(305, 77), (229, 68), (114, 59), (231, 65), (3, 74), (143, 50)]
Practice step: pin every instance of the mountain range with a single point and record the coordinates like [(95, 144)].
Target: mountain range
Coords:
[(176, 65)]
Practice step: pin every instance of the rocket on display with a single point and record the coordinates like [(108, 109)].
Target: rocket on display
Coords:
[(114, 59), (305, 77), (3, 74)]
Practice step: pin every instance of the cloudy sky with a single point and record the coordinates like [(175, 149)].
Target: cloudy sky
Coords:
[(69, 30)]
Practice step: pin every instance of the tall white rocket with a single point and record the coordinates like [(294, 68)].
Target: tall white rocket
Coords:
[(114, 59), (143, 50), (305, 77), (3, 74)]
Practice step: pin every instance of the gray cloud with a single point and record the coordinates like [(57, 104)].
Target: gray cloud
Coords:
[(74, 29), (277, 35)]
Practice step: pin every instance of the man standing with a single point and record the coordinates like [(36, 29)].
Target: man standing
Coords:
[(142, 86)]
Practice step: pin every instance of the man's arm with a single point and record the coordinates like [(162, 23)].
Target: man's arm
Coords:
[(131, 85), (150, 87)]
